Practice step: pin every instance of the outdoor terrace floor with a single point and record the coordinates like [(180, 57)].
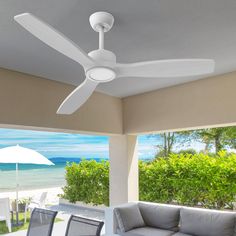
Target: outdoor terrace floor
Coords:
[(64, 213)]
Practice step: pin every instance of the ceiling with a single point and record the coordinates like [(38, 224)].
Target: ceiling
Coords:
[(143, 30)]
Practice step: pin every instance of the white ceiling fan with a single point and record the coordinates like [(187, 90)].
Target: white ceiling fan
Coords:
[(100, 65)]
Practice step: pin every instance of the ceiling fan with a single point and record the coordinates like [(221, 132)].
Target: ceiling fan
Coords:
[(100, 65)]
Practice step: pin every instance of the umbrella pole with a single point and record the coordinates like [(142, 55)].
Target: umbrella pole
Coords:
[(17, 185)]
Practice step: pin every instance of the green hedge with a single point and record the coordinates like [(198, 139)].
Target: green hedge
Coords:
[(88, 182), (181, 179), (190, 180)]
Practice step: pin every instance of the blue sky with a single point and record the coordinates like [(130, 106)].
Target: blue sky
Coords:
[(52, 144)]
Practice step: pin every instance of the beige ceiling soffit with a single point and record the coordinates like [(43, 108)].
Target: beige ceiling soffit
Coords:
[(204, 103), (30, 101)]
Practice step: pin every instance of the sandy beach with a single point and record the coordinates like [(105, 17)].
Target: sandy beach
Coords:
[(52, 196)]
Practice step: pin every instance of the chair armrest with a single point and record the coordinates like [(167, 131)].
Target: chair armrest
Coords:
[(33, 205)]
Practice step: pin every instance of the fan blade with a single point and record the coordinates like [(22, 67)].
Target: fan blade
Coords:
[(53, 38), (78, 97), (166, 68)]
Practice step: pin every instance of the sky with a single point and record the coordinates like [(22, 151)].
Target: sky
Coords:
[(52, 144)]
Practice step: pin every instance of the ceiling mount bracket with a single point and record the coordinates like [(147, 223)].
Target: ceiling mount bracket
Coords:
[(102, 20)]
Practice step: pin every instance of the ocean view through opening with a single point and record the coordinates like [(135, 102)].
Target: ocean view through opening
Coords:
[(63, 148), (60, 148)]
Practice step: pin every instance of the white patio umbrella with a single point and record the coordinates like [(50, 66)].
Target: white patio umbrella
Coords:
[(20, 155)]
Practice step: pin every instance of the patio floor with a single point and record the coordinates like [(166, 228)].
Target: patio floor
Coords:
[(64, 212)]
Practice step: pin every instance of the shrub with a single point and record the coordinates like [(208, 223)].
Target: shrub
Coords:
[(184, 179), (88, 182), (190, 180)]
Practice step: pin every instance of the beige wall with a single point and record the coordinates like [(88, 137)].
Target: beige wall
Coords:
[(208, 102), (29, 101)]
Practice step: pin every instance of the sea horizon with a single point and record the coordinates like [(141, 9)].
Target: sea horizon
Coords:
[(39, 176), (58, 161)]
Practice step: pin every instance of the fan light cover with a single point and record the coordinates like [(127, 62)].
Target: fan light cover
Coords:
[(101, 74)]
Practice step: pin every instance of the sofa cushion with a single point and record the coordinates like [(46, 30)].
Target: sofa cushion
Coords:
[(148, 231), (201, 222), (128, 217), (160, 215)]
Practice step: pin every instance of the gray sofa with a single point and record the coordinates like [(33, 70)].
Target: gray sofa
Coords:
[(151, 219)]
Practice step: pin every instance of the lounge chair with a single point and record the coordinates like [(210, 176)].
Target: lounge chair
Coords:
[(36, 203), (5, 214)]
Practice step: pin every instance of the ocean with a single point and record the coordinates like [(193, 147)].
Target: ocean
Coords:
[(35, 176)]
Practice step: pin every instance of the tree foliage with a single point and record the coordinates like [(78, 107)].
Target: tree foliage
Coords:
[(213, 138), (168, 140), (219, 138)]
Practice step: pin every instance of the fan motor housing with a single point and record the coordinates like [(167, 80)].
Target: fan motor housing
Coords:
[(103, 57), (105, 62)]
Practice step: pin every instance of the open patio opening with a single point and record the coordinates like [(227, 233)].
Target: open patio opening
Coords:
[(31, 102)]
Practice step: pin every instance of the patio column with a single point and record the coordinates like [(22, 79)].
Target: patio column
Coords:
[(123, 169)]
